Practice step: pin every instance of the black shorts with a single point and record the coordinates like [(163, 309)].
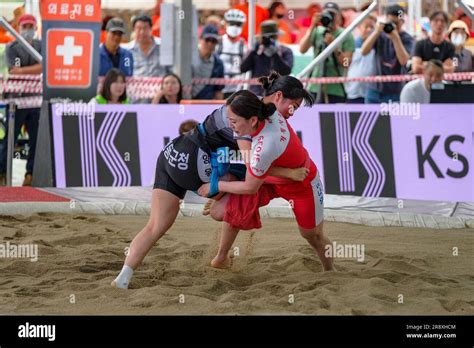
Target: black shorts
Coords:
[(181, 166)]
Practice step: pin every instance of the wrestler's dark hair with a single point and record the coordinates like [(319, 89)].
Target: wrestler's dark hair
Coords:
[(246, 104), (289, 86)]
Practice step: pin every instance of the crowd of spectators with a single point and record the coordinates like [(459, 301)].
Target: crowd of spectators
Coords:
[(380, 46)]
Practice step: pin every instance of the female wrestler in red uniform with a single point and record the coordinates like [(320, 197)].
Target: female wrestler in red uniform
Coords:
[(274, 143)]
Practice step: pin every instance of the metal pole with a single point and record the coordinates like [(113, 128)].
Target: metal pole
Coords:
[(10, 141), (251, 35), (21, 40), (183, 47), (411, 17), (328, 50), (251, 22), (418, 18), (467, 9)]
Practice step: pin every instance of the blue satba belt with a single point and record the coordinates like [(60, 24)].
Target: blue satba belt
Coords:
[(220, 165)]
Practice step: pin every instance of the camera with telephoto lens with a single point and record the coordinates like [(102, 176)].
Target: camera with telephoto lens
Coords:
[(327, 18), (267, 41), (389, 27)]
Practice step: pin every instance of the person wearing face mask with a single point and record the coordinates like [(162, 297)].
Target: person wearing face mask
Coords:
[(418, 91), (458, 34), (267, 55), (21, 62), (277, 11), (232, 48)]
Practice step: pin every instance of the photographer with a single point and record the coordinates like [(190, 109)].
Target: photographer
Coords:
[(392, 48), (321, 36), (268, 55)]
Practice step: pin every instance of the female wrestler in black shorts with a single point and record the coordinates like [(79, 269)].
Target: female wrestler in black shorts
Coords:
[(185, 164)]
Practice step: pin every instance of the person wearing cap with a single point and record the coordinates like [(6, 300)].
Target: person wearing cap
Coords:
[(325, 28), (208, 65), (434, 47), (458, 33), (232, 48), (268, 55), (392, 47), (111, 54), (146, 52), (21, 62)]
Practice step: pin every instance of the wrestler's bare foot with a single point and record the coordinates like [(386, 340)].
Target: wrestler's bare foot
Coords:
[(207, 207), (221, 262)]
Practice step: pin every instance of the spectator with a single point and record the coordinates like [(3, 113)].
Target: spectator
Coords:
[(146, 52), (276, 12), (435, 47), (232, 49), (216, 21), (111, 54), (113, 90), (171, 91), (458, 34), (187, 126), (103, 31), (261, 14), (320, 36), (155, 29), (208, 65), (21, 62), (361, 65), (267, 55), (392, 46), (418, 91)]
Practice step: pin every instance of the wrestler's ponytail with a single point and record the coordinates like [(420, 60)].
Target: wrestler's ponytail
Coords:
[(246, 104), (289, 86)]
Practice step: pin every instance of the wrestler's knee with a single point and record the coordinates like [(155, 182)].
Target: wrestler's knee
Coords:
[(312, 233), (217, 211)]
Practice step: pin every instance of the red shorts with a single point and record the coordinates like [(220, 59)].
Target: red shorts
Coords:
[(306, 200)]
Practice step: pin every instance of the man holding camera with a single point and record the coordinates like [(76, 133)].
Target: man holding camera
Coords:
[(336, 65), (392, 48), (267, 55)]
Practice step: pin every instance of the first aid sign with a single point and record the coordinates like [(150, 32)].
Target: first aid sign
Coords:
[(69, 58)]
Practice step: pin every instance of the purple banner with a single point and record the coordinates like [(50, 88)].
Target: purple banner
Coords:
[(389, 150)]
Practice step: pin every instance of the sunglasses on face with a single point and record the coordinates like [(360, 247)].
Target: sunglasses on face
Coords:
[(210, 40), (236, 24)]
